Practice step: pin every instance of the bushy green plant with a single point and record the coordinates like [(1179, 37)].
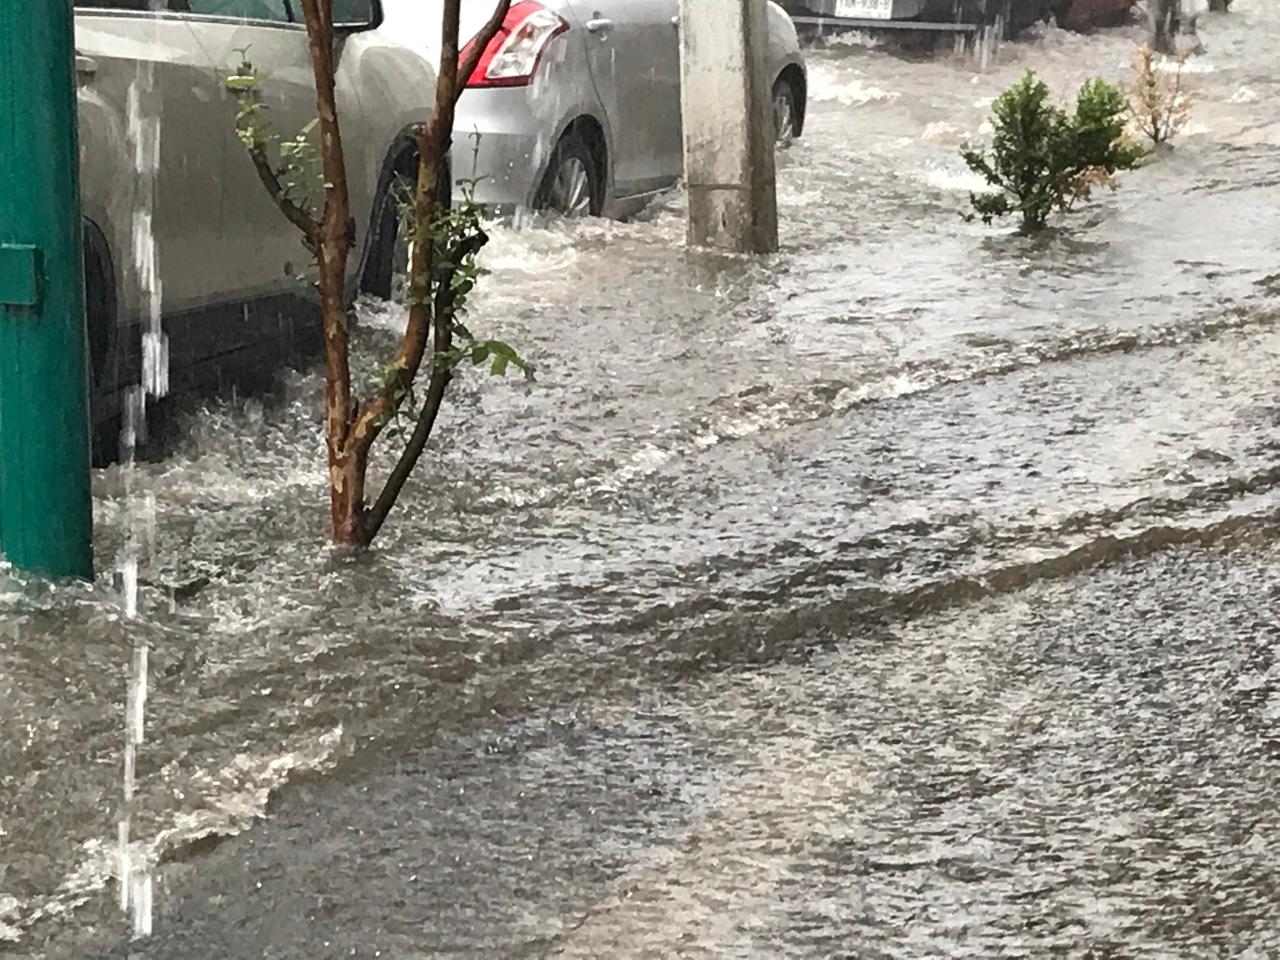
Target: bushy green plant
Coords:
[(1043, 158)]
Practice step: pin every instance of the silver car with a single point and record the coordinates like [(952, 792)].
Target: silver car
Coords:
[(229, 263), (575, 106)]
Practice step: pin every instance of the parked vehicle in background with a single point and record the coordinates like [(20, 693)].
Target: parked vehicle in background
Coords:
[(1088, 14), (575, 106), (1015, 15), (230, 264)]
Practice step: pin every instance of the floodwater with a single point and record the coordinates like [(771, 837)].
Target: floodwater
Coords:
[(912, 593)]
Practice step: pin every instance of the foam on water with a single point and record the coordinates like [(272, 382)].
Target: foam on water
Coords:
[(529, 246), (954, 178), (853, 38), (828, 84), (236, 796), (1193, 65), (943, 131)]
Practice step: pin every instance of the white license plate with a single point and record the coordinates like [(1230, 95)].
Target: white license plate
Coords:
[(870, 9)]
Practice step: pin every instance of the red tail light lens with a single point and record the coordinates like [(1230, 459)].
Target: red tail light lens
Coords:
[(512, 56)]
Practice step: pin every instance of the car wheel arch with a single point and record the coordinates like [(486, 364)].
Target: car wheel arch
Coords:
[(595, 135), (102, 303), (401, 158), (794, 76)]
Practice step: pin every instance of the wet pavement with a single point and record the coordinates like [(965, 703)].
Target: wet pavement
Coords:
[(909, 594), (1087, 765)]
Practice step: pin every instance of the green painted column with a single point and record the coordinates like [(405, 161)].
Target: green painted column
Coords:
[(46, 512)]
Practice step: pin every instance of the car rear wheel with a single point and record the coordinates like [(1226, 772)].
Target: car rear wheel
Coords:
[(786, 111), (573, 185)]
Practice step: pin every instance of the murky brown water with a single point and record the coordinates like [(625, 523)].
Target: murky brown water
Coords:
[(909, 594)]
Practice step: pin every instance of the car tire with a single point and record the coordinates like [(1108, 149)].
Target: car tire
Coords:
[(786, 112), (573, 185), (386, 267)]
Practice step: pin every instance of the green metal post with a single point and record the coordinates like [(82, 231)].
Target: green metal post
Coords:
[(46, 512)]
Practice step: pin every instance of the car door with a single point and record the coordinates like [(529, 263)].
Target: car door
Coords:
[(669, 124), (262, 249), (269, 254), (123, 51), (633, 52)]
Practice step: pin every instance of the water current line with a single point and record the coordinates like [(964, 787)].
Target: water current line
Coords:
[(143, 134)]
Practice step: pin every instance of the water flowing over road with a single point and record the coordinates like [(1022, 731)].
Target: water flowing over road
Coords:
[(912, 593)]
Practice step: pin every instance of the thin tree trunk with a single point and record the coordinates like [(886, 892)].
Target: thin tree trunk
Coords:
[(351, 427), (346, 467)]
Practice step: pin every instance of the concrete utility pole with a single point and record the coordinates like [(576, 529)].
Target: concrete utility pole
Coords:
[(727, 101), (46, 512)]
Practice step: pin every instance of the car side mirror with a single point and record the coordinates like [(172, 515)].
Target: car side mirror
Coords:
[(354, 16)]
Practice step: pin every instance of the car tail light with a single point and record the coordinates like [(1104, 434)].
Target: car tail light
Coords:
[(512, 56)]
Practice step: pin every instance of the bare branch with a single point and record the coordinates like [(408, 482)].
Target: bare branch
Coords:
[(377, 515), (254, 133), (296, 215), (444, 312), (433, 147), (482, 39)]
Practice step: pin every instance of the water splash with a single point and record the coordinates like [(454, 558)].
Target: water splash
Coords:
[(144, 137), (982, 45), (830, 83)]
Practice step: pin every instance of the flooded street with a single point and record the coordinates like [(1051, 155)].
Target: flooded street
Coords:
[(912, 593)]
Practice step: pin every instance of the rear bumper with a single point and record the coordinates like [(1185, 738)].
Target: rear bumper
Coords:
[(1073, 14), (500, 148), (501, 170)]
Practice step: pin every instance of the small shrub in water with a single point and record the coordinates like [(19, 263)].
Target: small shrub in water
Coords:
[(1043, 159), (1159, 102)]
